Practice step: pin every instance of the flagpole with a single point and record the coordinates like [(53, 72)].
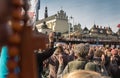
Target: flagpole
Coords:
[(37, 10), (37, 14)]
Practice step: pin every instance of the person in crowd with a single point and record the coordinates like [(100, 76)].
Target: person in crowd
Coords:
[(90, 54), (69, 51), (119, 51), (107, 51), (43, 55), (99, 60), (54, 63), (81, 51), (83, 74), (114, 66)]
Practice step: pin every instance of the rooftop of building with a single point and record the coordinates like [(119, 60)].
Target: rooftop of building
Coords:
[(46, 19)]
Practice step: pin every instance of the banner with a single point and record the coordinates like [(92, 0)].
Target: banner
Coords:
[(118, 25), (33, 11)]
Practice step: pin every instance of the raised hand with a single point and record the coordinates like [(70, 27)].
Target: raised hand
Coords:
[(51, 37), (60, 59)]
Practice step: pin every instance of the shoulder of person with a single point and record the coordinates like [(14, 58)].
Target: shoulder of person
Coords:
[(72, 62), (90, 66)]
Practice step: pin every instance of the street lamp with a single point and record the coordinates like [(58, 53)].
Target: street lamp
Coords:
[(69, 29), (70, 25)]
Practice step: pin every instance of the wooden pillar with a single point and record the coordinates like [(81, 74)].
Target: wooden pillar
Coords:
[(27, 61)]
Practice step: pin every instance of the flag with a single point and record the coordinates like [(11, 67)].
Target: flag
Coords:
[(118, 25), (37, 9), (38, 4), (33, 5), (34, 10)]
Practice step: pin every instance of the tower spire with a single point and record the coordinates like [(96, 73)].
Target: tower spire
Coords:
[(46, 12), (61, 7), (94, 22)]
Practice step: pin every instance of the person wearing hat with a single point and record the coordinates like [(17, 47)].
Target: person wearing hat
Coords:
[(43, 55)]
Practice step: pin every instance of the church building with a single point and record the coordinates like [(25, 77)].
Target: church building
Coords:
[(57, 22)]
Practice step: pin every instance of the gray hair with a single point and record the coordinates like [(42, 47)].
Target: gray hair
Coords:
[(81, 50)]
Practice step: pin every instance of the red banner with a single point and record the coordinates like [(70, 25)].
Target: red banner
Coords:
[(118, 25)]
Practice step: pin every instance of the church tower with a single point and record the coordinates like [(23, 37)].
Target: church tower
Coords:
[(46, 12)]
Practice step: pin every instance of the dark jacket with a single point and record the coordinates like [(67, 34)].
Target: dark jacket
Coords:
[(41, 57)]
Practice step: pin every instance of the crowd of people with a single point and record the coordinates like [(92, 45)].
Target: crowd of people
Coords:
[(61, 60), (78, 58)]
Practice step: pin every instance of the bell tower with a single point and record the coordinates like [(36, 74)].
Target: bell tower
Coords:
[(46, 12)]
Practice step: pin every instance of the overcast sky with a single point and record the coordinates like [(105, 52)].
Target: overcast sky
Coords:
[(86, 12)]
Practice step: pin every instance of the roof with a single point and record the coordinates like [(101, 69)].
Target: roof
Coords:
[(46, 19), (94, 27), (85, 29), (118, 32)]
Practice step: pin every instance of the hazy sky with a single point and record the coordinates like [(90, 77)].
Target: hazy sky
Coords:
[(86, 12)]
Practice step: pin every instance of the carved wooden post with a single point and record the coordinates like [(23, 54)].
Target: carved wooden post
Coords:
[(22, 41), (28, 45), (27, 61)]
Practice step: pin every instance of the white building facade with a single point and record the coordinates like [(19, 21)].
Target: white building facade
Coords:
[(57, 22)]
